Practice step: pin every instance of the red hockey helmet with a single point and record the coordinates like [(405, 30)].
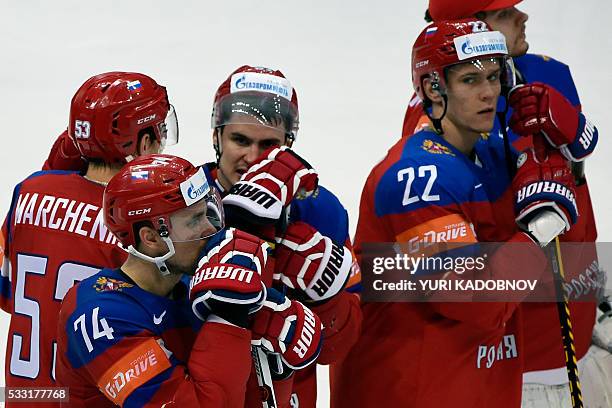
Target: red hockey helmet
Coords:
[(452, 9), (109, 110), (257, 95), (441, 45), (155, 188)]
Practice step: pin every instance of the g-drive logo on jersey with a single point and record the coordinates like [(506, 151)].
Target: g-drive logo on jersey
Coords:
[(195, 187), (479, 44), (255, 81)]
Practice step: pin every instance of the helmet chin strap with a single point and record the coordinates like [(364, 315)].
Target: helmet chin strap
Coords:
[(436, 122), (217, 146), (159, 261)]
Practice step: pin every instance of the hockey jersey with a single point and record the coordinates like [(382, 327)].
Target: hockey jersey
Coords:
[(438, 354), (544, 355), (121, 345), (55, 237), (341, 315)]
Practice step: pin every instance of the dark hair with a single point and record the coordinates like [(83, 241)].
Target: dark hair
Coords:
[(101, 163)]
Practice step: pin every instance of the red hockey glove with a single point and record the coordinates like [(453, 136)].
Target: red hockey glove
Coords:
[(539, 108), (228, 282), (545, 203), (270, 184), (64, 155), (289, 328), (311, 263)]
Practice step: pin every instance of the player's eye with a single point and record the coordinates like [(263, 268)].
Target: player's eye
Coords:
[(269, 143), (469, 79), (241, 140), (196, 219)]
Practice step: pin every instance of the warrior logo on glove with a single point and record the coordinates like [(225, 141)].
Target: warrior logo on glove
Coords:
[(270, 184), (228, 280), (311, 263), (289, 328)]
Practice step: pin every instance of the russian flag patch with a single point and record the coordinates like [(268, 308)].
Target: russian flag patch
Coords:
[(134, 85)]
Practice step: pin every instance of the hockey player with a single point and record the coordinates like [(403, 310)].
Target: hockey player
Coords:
[(114, 117), (449, 176), (255, 121), (134, 337), (549, 94)]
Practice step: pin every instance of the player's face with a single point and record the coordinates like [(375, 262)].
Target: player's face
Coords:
[(473, 89), (189, 228), (511, 22), (241, 145)]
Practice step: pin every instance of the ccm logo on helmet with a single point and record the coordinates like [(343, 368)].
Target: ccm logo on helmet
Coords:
[(139, 212), (146, 119), (545, 187)]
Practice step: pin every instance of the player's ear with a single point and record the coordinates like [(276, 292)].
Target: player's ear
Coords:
[(147, 144), (431, 93), (150, 241)]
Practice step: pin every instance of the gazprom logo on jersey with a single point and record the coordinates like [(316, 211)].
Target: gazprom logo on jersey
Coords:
[(255, 81), (195, 187), (479, 44)]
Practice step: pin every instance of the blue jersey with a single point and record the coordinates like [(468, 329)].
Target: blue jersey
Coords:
[(544, 351), (120, 344)]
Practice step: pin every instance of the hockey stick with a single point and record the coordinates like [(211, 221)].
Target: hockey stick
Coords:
[(260, 358), (566, 325), (567, 335), (264, 377)]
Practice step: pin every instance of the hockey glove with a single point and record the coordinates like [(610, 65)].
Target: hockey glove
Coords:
[(289, 328), (539, 108), (270, 184), (545, 204), (228, 282), (311, 263)]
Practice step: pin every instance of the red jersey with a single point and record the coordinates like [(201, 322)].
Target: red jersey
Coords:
[(55, 236), (341, 315)]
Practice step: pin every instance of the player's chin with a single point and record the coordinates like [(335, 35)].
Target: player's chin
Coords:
[(483, 123), (520, 47)]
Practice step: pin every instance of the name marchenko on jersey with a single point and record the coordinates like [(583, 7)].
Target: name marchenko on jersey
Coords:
[(63, 214)]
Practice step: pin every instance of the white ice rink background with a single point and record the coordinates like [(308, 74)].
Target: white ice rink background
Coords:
[(348, 61)]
